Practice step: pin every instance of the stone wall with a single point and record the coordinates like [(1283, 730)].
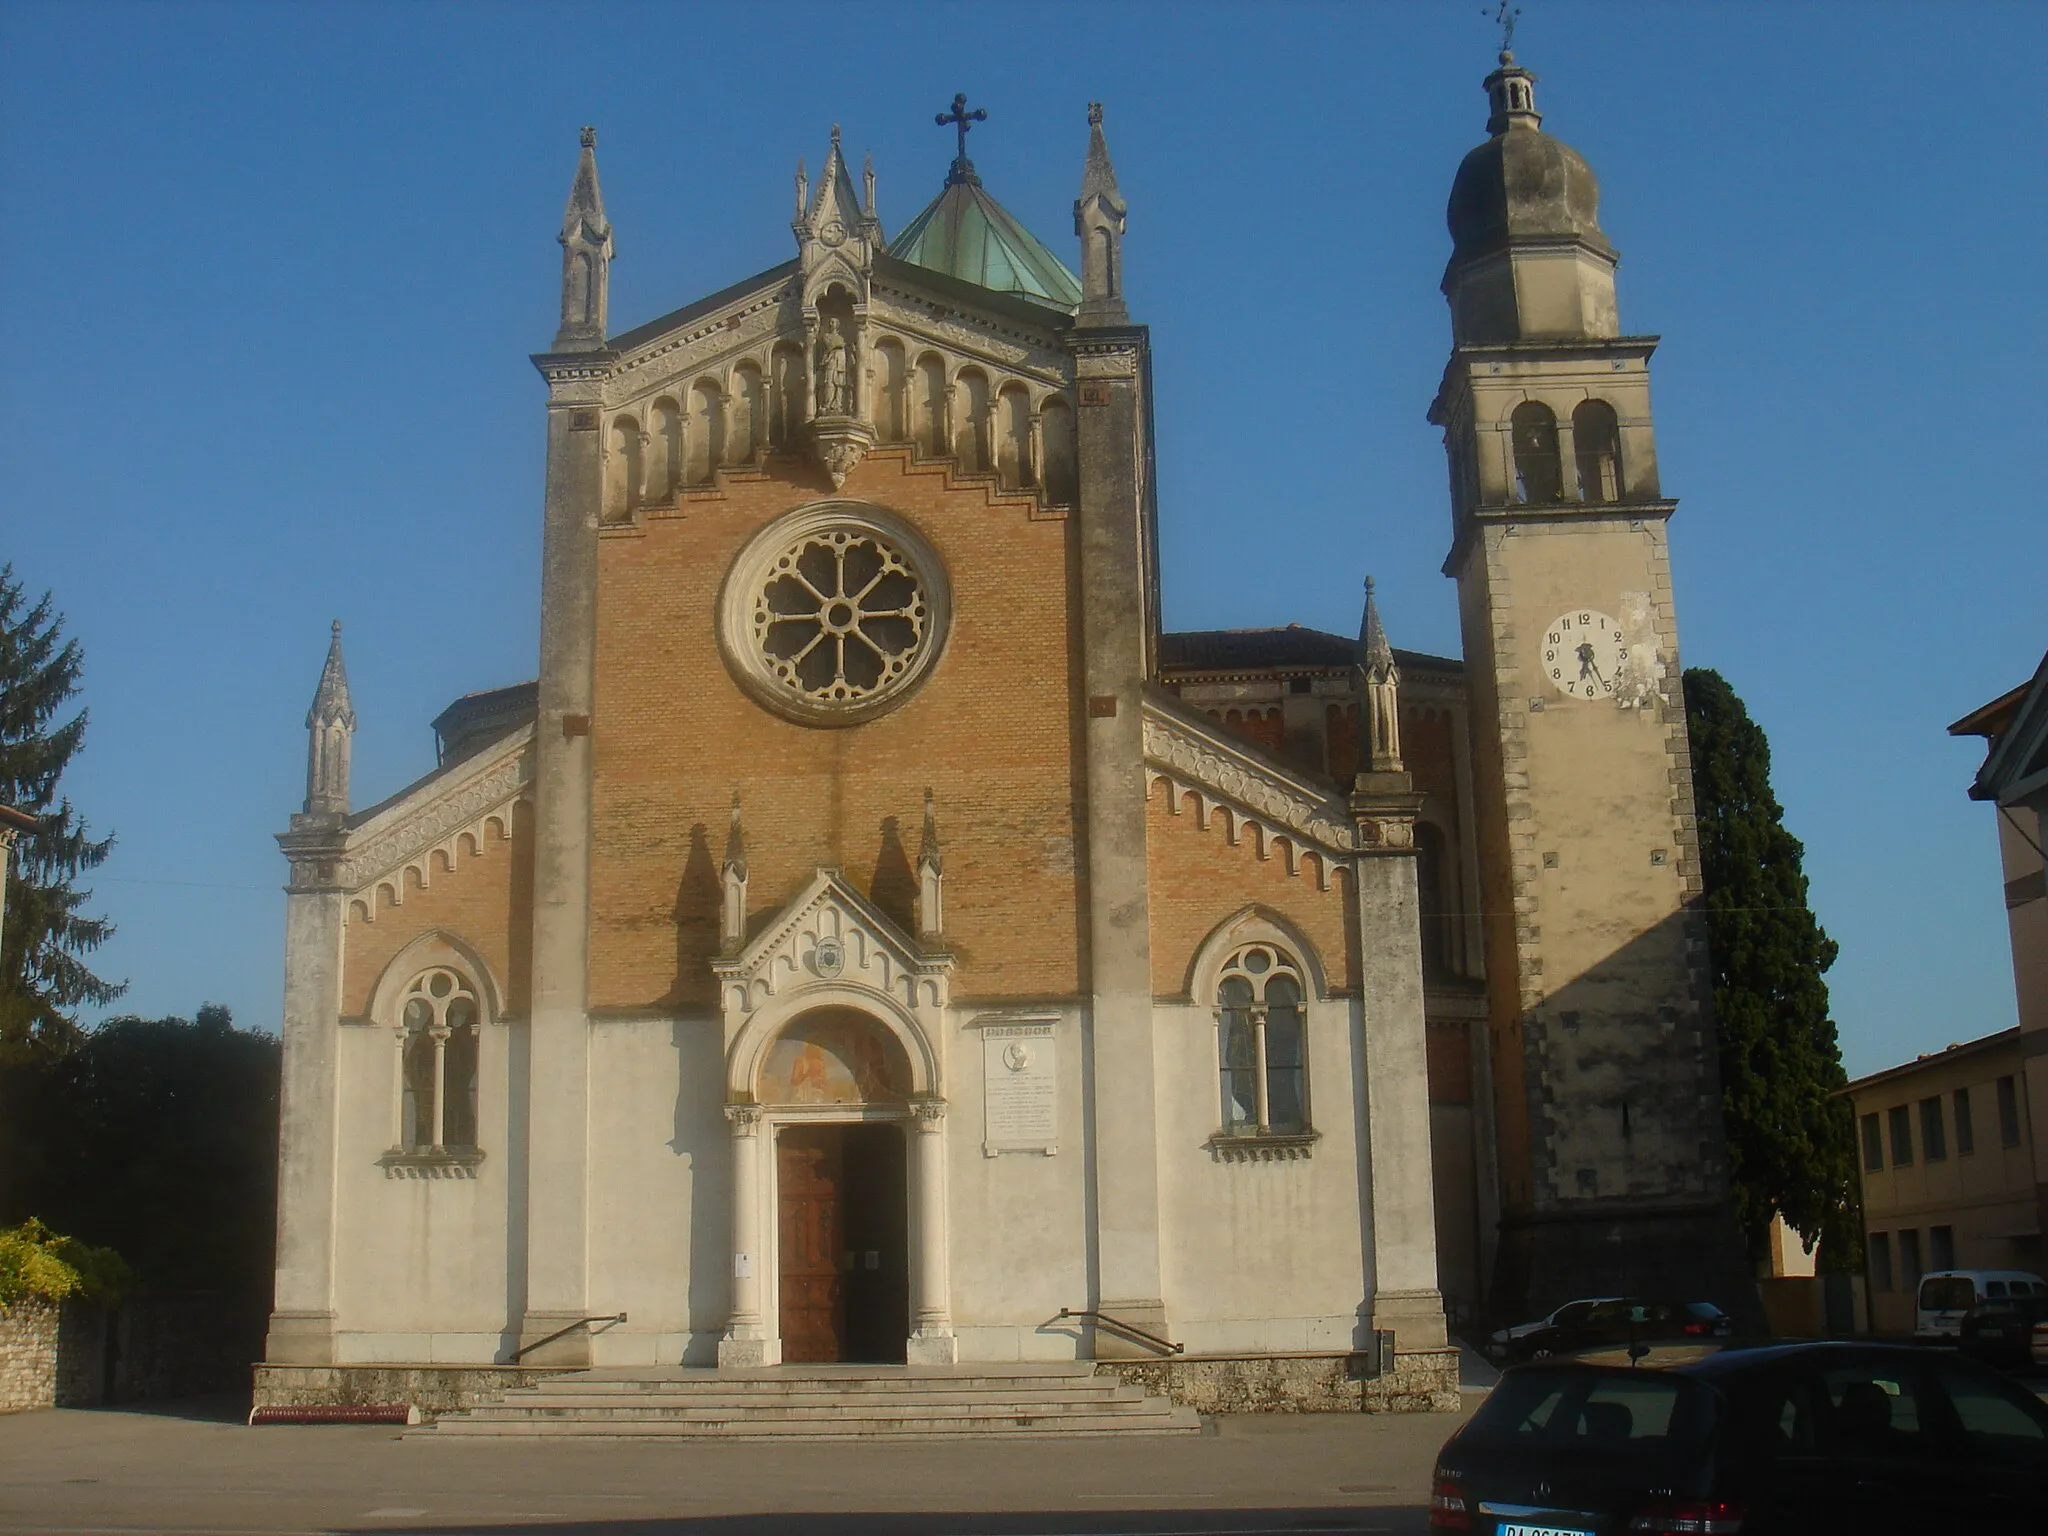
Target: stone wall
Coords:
[(433, 1389), (51, 1355), (1423, 1382), (79, 1354)]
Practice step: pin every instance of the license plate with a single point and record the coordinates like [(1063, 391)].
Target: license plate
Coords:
[(1513, 1528)]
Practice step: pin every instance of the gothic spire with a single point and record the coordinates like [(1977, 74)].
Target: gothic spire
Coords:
[(928, 843), (1379, 713), (931, 878), (586, 257), (732, 886), (1099, 221), (330, 723), (735, 861)]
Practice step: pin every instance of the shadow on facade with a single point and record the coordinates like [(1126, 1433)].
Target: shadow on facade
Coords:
[(1619, 1185)]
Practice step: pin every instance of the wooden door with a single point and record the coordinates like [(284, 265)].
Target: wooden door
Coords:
[(811, 1167)]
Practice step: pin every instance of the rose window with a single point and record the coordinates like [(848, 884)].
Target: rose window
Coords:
[(840, 616), (833, 613)]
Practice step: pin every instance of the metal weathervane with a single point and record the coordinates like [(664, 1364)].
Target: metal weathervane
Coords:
[(1503, 16)]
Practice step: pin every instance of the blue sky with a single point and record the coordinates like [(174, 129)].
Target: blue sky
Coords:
[(276, 268)]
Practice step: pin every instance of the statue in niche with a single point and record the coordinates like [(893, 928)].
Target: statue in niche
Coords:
[(834, 380)]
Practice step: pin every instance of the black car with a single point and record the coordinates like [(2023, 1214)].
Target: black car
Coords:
[(2000, 1332), (1867, 1440), (1614, 1323)]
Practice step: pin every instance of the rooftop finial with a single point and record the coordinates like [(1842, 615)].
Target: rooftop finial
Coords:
[(329, 724), (1504, 16), (1099, 221), (589, 137), (959, 118)]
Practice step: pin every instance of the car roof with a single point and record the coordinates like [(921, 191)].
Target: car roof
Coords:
[(1745, 1357)]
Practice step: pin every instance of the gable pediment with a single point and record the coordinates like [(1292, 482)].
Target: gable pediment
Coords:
[(831, 936)]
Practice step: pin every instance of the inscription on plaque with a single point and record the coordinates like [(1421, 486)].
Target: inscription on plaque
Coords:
[(1020, 1089)]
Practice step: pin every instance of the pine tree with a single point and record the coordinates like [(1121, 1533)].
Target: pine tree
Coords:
[(1791, 1144), (42, 975)]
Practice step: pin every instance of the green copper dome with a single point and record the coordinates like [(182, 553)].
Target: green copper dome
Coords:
[(967, 234)]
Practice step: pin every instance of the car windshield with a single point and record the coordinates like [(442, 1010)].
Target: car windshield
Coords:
[(1624, 1413), (1947, 1293)]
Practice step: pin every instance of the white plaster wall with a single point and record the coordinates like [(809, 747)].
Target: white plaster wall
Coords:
[(660, 1190), (421, 1271), (1261, 1256), (1019, 1220)]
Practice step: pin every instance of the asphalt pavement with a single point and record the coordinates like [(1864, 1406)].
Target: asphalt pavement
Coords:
[(194, 1467)]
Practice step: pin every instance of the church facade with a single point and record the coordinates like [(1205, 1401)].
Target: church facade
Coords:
[(874, 937)]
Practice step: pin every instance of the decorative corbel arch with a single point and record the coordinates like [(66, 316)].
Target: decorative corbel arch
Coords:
[(743, 1058), (437, 946), (1253, 925)]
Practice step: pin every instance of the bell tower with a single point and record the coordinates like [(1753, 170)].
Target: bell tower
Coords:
[(1607, 1096)]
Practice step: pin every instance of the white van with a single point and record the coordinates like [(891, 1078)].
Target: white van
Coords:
[(1947, 1294)]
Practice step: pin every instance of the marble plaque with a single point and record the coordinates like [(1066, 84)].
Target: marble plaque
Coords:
[(1020, 1089)]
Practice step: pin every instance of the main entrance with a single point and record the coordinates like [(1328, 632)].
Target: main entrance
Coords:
[(844, 1249)]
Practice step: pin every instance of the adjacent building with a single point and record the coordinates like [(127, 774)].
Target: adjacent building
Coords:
[(1947, 1149)]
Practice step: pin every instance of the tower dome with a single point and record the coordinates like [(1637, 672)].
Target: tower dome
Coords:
[(1522, 182), (1525, 197)]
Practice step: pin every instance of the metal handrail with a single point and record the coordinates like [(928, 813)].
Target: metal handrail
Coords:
[(581, 1322), (1131, 1328)]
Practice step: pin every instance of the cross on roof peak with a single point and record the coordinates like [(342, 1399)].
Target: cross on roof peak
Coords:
[(959, 118)]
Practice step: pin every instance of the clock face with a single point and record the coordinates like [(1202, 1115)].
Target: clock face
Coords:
[(1583, 654)]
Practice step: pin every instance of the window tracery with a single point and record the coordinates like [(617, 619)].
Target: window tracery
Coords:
[(1262, 1043), (833, 613), (439, 1023)]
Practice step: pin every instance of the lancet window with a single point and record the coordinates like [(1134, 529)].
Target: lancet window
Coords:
[(439, 1035), (1262, 1043)]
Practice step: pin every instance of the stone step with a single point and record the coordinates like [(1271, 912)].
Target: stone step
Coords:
[(880, 1381), (693, 1393), (1169, 1421), (803, 1412)]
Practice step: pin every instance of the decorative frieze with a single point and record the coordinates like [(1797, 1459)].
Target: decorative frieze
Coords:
[(1190, 758), (408, 835)]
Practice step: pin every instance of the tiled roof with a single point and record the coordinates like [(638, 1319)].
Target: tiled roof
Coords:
[(1294, 648)]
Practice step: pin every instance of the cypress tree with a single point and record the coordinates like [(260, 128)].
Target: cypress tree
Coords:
[(1791, 1145), (43, 977)]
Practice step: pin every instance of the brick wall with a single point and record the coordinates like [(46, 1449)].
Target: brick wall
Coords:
[(1200, 879), (486, 901), (992, 730)]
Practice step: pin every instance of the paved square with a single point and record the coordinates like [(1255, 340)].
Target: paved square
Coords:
[(79, 1471)]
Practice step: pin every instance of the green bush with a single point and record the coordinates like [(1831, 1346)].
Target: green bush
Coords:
[(34, 1261)]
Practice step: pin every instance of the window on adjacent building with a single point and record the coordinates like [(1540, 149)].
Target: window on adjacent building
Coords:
[(438, 1040), (1933, 1139), (1902, 1137), (1966, 1133), (1881, 1277), (1941, 1247), (1873, 1145), (1261, 1045), (1909, 1260), (2008, 1112)]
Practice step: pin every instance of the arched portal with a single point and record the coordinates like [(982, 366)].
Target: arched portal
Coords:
[(839, 1231)]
